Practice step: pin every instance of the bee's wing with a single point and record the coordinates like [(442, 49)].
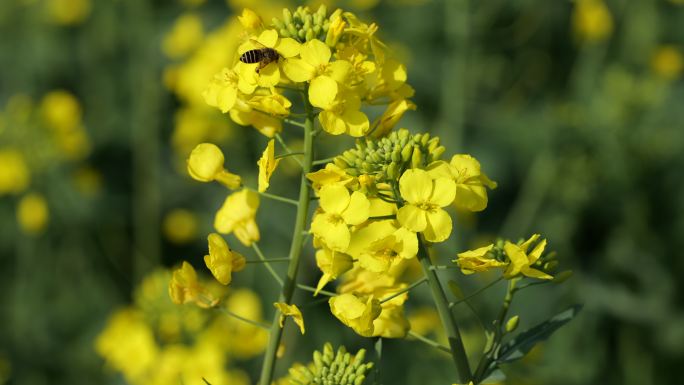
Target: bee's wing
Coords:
[(249, 45)]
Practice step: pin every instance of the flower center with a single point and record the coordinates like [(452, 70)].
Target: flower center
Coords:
[(427, 206), (335, 219)]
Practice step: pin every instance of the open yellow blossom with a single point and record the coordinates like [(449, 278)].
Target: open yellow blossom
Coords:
[(292, 311), (246, 116), (315, 66), (477, 260), (237, 216), (223, 91), (471, 182), (340, 209), (32, 213), (332, 264), (342, 115), (222, 261), (205, 164), (522, 261), (184, 287), (331, 174), (267, 164), (61, 111), (667, 62), (15, 175), (268, 76), (391, 323), (356, 312), (592, 20), (425, 198), (382, 245)]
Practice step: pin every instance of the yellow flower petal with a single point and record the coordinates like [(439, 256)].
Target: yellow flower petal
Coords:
[(334, 198), (331, 230), (357, 123), (315, 52), (331, 123), (412, 218), (267, 165), (415, 185), (205, 161), (269, 76), (268, 38), (291, 311), (288, 47), (322, 92), (438, 226), (444, 192), (339, 70), (298, 70), (358, 209)]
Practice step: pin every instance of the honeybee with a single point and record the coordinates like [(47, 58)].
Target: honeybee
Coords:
[(264, 56)]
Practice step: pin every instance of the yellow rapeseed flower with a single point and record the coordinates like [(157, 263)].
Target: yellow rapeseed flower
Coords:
[(32, 213), (522, 261), (15, 175), (340, 209), (381, 245), (61, 111), (68, 12), (222, 261), (205, 164), (330, 174), (393, 113), (237, 215), (471, 182), (184, 287), (292, 311), (425, 198), (592, 20), (268, 76), (332, 264), (315, 66), (267, 165), (477, 260), (342, 115), (223, 90), (250, 20), (356, 312)]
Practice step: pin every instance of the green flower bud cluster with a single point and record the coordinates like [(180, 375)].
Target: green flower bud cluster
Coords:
[(302, 25), (387, 158), (330, 368)]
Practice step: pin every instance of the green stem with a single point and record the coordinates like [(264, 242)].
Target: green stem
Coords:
[(295, 248), (465, 299), (313, 290), (243, 319), (272, 260), (286, 155), (263, 259), (448, 321), (287, 149), (404, 290), (274, 197), (429, 342), (322, 161)]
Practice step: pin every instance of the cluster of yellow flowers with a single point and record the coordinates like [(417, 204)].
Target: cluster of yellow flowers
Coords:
[(35, 138), (155, 342), (337, 58)]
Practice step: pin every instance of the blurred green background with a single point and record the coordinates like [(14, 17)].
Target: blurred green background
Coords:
[(574, 108)]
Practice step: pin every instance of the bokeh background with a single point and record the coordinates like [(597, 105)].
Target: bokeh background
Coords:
[(573, 107)]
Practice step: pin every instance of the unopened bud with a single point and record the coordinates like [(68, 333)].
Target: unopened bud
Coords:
[(512, 324)]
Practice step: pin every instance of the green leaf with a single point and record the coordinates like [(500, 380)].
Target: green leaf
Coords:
[(496, 377), (525, 341)]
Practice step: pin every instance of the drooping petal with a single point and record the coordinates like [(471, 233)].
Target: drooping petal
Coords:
[(332, 123), (536, 253), (415, 185), (438, 226), (358, 209), (339, 70), (517, 257), (334, 198), (471, 197), (444, 192), (315, 52), (322, 92), (412, 218), (298, 70)]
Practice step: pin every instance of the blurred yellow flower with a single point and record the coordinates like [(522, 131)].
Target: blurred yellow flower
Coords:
[(180, 226), (332, 264), (267, 165), (340, 209), (250, 20), (32, 213), (184, 287), (222, 261), (87, 180), (68, 12), (522, 261), (477, 260), (356, 312), (127, 343), (237, 216), (205, 164), (15, 175), (61, 111), (185, 35), (425, 198), (592, 20), (667, 62), (292, 311)]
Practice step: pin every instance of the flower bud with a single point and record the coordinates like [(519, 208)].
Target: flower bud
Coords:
[(512, 324)]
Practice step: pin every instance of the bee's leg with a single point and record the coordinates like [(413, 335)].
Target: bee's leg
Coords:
[(260, 66)]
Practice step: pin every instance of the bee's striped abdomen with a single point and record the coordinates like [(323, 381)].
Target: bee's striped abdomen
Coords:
[(251, 56)]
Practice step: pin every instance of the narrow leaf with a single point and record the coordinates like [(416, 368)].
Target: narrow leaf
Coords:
[(525, 341)]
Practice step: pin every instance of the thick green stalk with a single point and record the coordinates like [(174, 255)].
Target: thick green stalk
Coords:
[(448, 321), (295, 250)]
